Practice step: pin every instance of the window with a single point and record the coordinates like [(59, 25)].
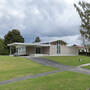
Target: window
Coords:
[(58, 48)]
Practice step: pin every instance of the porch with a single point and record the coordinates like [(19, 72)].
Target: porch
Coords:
[(37, 51)]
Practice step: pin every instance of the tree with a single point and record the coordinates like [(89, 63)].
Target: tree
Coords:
[(37, 39), (62, 42), (83, 9), (13, 36), (3, 49)]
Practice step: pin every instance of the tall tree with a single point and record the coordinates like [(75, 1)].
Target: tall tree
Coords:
[(13, 36), (83, 9), (37, 39)]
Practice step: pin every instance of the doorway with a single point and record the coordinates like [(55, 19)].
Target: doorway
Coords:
[(38, 50)]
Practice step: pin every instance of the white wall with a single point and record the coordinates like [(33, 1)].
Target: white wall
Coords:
[(65, 51), (53, 50), (69, 51)]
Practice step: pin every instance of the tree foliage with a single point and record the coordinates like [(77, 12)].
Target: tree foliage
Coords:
[(13, 36), (83, 9), (37, 39), (3, 48)]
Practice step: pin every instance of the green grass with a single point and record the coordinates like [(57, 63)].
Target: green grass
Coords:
[(70, 60), (87, 67), (58, 81), (12, 67)]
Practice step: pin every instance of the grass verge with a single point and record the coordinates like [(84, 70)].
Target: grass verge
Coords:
[(58, 81), (13, 67), (70, 60)]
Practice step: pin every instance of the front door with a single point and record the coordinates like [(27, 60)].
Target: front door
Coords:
[(38, 50)]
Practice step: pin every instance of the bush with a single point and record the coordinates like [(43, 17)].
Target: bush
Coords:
[(4, 52), (84, 53)]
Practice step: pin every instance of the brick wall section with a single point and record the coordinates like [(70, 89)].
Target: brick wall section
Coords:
[(45, 50), (30, 50)]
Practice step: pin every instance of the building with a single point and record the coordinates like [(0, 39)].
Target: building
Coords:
[(84, 49), (88, 46), (54, 48)]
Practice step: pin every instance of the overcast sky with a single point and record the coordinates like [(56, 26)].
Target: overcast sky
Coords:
[(49, 19)]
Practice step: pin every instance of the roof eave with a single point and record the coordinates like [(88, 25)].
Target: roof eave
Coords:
[(23, 44)]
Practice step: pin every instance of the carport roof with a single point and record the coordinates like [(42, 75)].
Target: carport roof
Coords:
[(29, 44)]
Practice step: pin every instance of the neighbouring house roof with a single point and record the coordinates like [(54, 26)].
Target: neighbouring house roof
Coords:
[(80, 46), (29, 44)]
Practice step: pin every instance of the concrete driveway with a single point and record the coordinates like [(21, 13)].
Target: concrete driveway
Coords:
[(47, 62), (62, 67)]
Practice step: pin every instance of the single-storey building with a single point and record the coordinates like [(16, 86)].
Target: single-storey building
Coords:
[(54, 48)]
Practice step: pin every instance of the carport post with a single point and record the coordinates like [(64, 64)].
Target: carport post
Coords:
[(10, 50)]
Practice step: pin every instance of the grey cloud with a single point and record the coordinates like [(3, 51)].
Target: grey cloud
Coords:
[(45, 18)]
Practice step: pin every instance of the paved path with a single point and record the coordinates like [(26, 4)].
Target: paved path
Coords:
[(84, 65), (81, 70), (28, 77), (47, 62), (62, 67), (44, 61)]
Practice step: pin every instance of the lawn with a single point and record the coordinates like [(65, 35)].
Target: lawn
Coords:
[(58, 81), (70, 60), (12, 67)]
